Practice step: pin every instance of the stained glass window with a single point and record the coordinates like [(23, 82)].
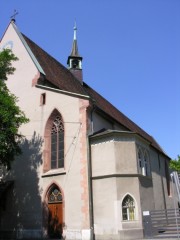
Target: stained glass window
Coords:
[(144, 164), (57, 143), (128, 208), (55, 195), (140, 158)]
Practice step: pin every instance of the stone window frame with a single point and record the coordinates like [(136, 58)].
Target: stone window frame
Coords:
[(143, 161), (47, 140), (128, 208)]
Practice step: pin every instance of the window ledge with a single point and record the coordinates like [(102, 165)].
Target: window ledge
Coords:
[(54, 172), (146, 176)]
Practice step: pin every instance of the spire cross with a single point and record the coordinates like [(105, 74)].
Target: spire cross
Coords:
[(75, 30), (14, 15)]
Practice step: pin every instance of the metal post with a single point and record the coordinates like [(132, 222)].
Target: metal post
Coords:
[(174, 178)]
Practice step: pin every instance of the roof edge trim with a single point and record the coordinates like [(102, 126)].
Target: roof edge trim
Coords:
[(117, 132), (34, 59), (110, 133), (117, 175), (62, 91)]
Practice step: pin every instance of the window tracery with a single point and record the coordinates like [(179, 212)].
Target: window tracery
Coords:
[(128, 208), (55, 195), (143, 162), (54, 142), (57, 143)]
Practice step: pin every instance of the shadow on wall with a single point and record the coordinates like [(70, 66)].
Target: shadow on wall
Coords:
[(22, 211), (54, 228)]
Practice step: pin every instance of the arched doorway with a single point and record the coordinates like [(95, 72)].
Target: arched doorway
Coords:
[(55, 212)]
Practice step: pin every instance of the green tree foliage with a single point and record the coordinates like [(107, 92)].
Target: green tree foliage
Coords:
[(175, 164), (11, 117)]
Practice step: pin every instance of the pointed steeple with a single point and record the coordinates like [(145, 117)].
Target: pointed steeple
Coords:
[(75, 60), (74, 51)]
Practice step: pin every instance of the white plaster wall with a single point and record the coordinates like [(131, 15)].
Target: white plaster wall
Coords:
[(108, 194), (30, 188), (21, 81), (125, 152), (146, 193), (103, 159), (159, 180), (105, 197), (114, 157), (21, 202), (129, 185)]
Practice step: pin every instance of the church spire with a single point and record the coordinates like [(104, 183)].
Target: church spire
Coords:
[(74, 51), (75, 60)]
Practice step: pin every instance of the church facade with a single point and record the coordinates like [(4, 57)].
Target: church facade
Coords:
[(87, 171)]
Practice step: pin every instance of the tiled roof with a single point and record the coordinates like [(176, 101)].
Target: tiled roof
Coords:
[(55, 72), (63, 79), (113, 112)]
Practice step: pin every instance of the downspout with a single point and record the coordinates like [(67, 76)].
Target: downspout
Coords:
[(91, 210)]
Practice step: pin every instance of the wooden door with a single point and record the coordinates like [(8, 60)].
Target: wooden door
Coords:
[(55, 211), (55, 219)]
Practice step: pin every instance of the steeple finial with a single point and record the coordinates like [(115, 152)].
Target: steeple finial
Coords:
[(75, 31)]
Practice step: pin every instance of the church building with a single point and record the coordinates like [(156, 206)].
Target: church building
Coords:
[(87, 171)]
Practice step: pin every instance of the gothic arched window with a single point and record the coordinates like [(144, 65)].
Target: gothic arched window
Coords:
[(128, 208), (143, 162), (54, 142), (140, 160), (146, 165), (57, 143)]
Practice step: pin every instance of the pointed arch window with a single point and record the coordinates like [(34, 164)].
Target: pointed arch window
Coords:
[(57, 143), (128, 208), (140, 158), (143, 161), (54, 142), (146, 165)]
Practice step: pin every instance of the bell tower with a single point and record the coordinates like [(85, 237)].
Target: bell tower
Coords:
[(75, 60)]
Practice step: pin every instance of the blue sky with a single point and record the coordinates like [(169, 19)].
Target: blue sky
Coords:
[(130, 49)]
